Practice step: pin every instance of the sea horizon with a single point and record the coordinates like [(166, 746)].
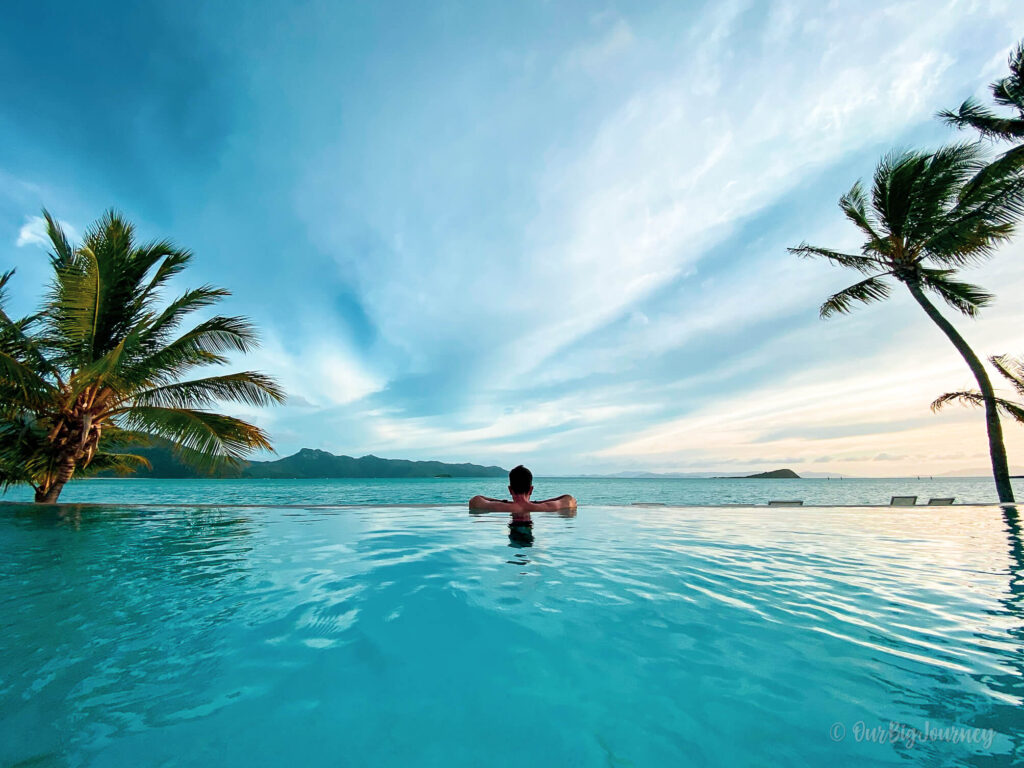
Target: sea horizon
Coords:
[(589, 491)]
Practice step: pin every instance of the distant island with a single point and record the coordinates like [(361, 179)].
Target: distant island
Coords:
[(775, 474), (310, 463)]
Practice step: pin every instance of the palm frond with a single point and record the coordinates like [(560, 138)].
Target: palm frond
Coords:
[(865, 292), (976, 213), (222, 334), (63, 254), (963, 297), (991, 126), (209, 440), (975, 399), (1011, 369), (248, 387), (1009, 92), (995, 194), (4, 279), (962, 398), (855, 205), (174, 260), (203, 345), (864, 264), (21, 386), (163, 324), (24, 450), (935, 191), (72, 307), (103, 371), (892, 195), (16, 338), (120, 463)]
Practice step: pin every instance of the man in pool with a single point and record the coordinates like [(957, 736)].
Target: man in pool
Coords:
[(520, 485)]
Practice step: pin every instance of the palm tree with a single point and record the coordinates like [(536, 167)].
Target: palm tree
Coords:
[(1011, 369), (929, 215), (99, 367), (1008, 92)]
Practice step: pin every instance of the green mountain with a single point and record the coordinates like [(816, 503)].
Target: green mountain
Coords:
[(311, 463)]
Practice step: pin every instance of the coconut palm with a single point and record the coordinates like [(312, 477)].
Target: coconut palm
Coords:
[(930, 214), (1011, 369), (1007, 92), (100, 366)]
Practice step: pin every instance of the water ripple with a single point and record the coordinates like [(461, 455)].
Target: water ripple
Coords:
[(648, 636)]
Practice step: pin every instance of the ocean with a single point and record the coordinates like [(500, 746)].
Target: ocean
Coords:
[(588, 490)]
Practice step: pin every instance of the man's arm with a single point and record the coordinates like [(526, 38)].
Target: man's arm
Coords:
[(483, 502), (565, 501)]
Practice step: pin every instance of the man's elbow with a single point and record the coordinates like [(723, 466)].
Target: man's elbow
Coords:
[(476, 502)]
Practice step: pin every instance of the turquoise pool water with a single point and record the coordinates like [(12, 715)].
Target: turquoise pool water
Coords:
[(425, 636)]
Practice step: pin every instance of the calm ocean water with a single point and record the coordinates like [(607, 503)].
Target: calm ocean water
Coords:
[(426, 636), (457, 490)]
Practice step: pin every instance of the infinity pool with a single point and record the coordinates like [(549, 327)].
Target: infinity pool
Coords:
[(426, 636)]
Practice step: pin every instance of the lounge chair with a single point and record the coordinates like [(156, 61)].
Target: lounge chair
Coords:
[(945, 501), (903, 501), (780, 503)]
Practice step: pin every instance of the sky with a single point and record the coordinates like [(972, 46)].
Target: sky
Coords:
[(542, 232)]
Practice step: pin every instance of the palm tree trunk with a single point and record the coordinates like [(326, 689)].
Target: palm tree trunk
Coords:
[(49, 495), (996, 448)]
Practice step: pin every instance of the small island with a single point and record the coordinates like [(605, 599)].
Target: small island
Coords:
[(775, 474)]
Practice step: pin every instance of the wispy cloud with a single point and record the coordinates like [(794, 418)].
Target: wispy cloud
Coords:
[(33, 232)]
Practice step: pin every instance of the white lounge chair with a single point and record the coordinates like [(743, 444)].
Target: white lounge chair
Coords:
[(782, 503), (945, 501), (903, 501)]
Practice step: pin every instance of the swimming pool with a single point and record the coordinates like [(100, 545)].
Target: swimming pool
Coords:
[(426, 636)]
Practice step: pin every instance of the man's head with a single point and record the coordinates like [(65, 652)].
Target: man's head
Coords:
[(520, 481)]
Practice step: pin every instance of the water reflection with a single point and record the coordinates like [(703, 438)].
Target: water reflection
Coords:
[(1013, 685), (521, 531)]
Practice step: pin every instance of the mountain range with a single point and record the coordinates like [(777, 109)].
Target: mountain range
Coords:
[(310, 463)]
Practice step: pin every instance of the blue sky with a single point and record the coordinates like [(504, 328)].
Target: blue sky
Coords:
[(543, 232)]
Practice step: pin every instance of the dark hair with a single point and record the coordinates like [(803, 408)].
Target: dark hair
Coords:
[(520, 480)]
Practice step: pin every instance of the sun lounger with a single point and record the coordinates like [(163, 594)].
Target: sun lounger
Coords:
[(781, 503), (903, 501), (943, 502)]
